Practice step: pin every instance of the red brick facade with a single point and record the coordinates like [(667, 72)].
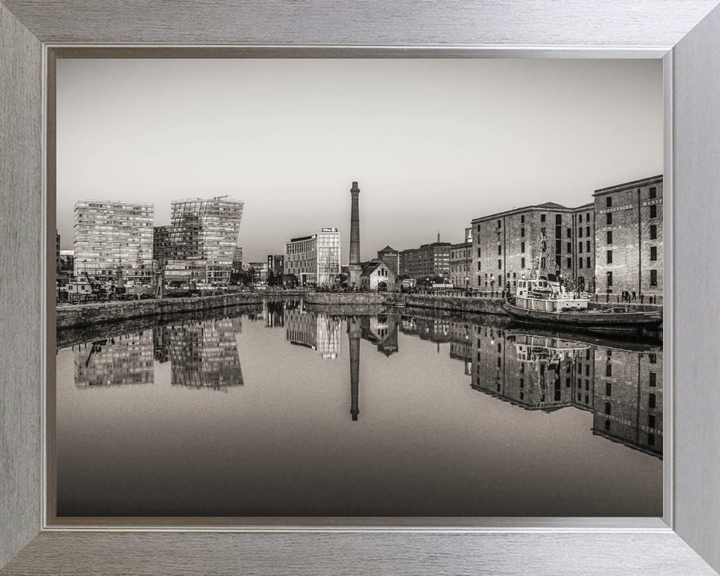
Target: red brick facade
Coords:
[(629, 238)]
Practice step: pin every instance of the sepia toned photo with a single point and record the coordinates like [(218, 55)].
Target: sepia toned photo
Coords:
[(359, 288)]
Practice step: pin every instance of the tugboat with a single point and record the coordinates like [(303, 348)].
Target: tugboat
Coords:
[(542, 299)]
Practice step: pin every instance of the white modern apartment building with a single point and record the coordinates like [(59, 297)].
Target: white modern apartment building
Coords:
[(113, 240), (314, 259)]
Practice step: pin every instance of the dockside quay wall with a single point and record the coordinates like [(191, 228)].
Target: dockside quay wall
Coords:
[(450, 303), (343, 298), (102, 312)]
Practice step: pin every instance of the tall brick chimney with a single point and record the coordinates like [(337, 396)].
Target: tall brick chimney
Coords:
[(355, 269)]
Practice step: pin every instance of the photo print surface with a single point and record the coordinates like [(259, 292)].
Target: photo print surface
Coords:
[(373, 288)]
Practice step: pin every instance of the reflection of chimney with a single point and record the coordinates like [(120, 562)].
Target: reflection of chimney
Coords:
[(355, 268), (354, 332)]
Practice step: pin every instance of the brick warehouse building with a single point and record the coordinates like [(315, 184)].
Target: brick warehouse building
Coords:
[(629, 238), (428, 261), (506, 246)]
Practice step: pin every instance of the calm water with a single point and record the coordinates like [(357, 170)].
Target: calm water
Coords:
[(287, 412)]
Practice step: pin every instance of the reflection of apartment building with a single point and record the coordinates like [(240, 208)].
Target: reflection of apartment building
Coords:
[(328, 336), (629, 237), (204, 355), (434, 329), (206, 230), (274, 314), (318, 332), (549, 237), (126, 359), (113, 240), (161, 343), (314, 259)]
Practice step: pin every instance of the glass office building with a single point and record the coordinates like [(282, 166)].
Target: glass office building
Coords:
[(314, 259), (114, 240), (206, 229)]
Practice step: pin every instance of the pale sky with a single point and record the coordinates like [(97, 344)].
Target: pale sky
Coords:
[(432, 143)]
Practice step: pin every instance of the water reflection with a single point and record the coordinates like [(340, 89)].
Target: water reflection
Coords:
[(619, 383), (381, 330), (204, 355), (115, 361), (318, 332)]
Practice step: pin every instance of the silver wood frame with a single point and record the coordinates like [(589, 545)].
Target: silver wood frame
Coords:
[(685, 33)]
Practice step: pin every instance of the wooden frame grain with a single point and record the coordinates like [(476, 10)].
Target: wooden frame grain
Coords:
[(686, 33)]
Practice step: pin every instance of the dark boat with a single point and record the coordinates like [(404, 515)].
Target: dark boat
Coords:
[(612, 320), (543, 301)]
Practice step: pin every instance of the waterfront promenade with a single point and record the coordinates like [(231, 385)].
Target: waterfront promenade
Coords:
[(79, 315)]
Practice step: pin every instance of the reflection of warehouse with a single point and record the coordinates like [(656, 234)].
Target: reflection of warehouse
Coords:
[(204, 355), (628, 398), (318, 332), (532, 372), (622, 388), (126, 359)]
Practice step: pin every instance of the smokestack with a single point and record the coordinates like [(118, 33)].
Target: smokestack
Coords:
[(355, 268)]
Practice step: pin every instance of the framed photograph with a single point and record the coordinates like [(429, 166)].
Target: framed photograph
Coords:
[(209, 367)]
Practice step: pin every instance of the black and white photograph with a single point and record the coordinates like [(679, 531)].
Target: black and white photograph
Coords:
[(358, 288)]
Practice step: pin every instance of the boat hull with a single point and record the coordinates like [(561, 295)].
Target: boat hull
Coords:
[(592, 320)]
